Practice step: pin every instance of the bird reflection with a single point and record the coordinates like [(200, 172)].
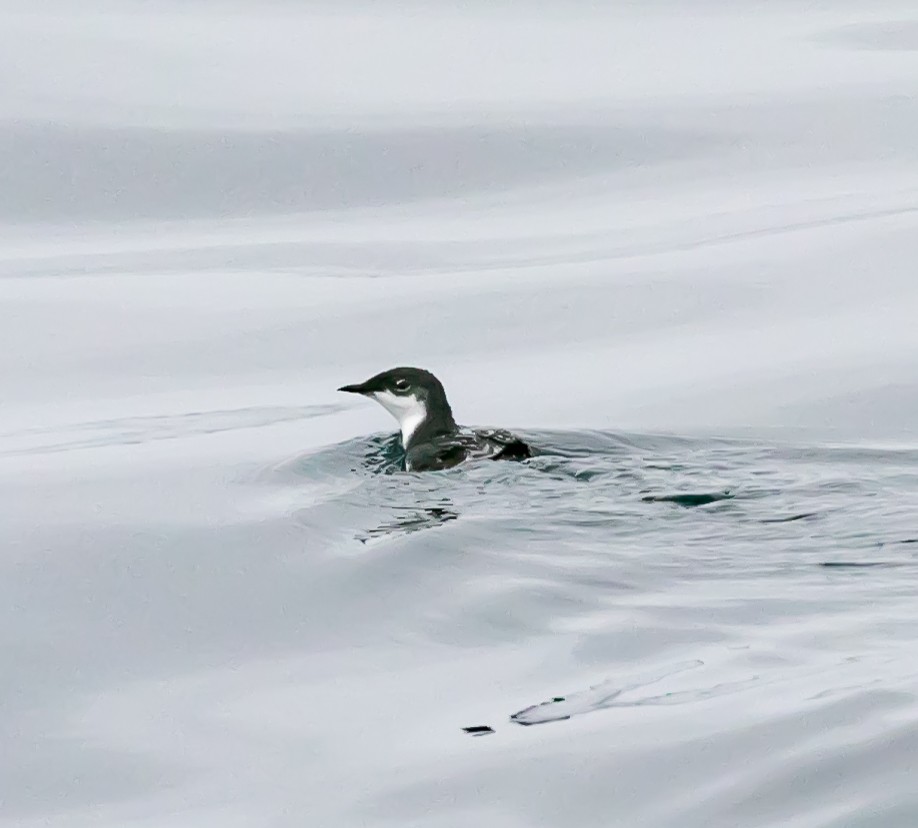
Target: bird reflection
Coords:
[(409, 519)]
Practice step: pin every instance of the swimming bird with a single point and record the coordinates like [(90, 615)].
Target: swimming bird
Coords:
[(429, 434)]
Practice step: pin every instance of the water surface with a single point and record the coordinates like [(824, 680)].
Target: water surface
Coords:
[(672, 247)]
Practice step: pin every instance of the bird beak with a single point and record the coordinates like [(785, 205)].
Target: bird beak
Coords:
[(360, 388)]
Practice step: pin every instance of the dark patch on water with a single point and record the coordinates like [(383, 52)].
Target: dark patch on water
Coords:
[(479, 730), (791, 518), (689, 499)]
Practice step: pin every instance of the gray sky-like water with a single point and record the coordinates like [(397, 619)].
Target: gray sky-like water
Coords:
[(594, 224)]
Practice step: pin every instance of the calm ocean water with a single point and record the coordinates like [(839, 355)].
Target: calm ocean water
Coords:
[(674, 247)]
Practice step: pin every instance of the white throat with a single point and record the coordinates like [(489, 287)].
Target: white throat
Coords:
[(409, 411)]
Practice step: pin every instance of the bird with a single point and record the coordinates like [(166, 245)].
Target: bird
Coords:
[(430, 437)]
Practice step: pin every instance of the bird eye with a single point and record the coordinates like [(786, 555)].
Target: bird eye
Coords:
[(402, 384)]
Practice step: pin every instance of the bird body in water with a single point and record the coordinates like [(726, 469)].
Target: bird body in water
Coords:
[(429, 434)]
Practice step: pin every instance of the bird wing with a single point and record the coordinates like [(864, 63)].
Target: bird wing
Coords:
[(508, 445), (448, 451)]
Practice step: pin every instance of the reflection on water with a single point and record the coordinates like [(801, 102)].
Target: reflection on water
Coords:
[(411, 520)]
